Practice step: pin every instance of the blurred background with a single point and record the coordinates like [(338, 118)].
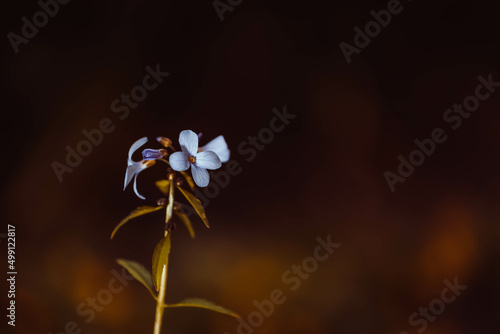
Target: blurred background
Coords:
[(322, 175)]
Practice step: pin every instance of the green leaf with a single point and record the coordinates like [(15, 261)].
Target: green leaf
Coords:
[(202, 303), (140, 273), (142, 210), (164, 186), (160, 258), (189, 180), (187, 222), (195, 202)]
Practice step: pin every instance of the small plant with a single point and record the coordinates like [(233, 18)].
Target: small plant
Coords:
[(211, 156)]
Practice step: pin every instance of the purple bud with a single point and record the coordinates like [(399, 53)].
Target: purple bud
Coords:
[(150, 154)]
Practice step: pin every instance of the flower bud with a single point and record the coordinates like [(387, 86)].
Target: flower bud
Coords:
[(161, 201), (179, 182), (150, 154), (164, 141)]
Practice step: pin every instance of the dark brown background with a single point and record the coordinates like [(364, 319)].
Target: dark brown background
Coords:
[(322, 175)]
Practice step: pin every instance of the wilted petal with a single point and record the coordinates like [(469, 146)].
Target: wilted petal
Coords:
[(135, 188), (200, 176), (189, 142), (135, 167), (219, 146), (132, 170), (135, 146), (150, 154), (179, 161), (208, 160)]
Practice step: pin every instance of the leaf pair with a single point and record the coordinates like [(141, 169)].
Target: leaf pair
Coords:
[(142, 210), (164, 187), (142, 275)]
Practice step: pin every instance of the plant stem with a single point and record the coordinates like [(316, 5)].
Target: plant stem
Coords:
[(163, 283), (161, 298), (170, 205)]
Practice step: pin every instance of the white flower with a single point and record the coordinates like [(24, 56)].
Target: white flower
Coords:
[(190, 157), (135, 167), (218, 146)]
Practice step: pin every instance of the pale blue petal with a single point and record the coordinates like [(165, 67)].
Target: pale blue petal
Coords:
[(208, 160), (132, 170), (219, 146), (179, 161), (135, 188), (200, 176), (189, 142), (134, 148), (134, 167)]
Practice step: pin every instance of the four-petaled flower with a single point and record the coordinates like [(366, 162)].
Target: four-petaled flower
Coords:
[(198, 161)]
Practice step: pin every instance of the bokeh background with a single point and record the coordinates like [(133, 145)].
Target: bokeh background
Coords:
[(323, 175)]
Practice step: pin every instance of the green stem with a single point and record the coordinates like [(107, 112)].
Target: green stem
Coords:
[(163, 282), (161, 298), (170, 205)]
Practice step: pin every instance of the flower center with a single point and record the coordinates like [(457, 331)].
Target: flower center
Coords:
[(192, 160)]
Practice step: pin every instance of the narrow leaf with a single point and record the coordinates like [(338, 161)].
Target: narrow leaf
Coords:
[(142, 210), (187, 222), (160, 258), (189, 180), (195, 202), (140, 273), (202, 303), (164, 186)]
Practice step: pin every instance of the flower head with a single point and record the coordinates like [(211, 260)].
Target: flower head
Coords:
[(135, 167), (190, 157)]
